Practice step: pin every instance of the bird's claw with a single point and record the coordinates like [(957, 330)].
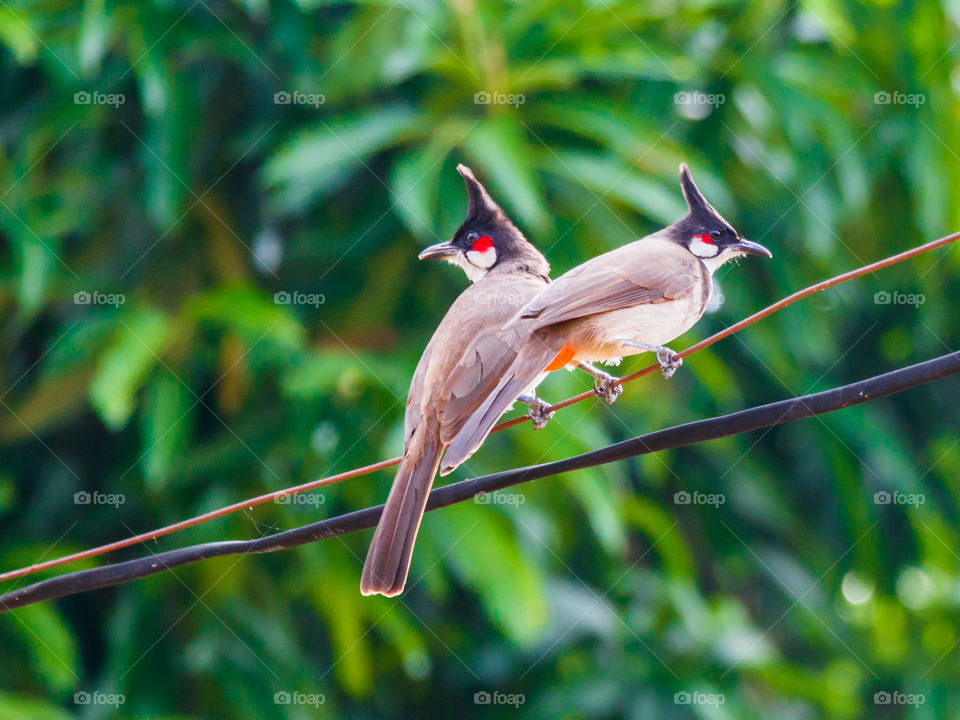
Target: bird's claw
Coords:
[(669, 361), (539, 413), (608, 388)]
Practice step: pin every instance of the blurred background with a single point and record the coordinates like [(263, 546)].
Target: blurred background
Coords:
[(210, 213)]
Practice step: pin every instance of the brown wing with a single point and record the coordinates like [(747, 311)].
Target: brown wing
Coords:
[(468, 353), (647, 271), (476, 374), (484, 348)]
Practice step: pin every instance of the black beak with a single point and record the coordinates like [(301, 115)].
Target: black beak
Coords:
[(751, 248), (440, 250)]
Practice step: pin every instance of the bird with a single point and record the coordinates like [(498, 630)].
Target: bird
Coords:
[(630, 300), (460, 366)]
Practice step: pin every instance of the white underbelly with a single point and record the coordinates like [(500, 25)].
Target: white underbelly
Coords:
[(652, 324)]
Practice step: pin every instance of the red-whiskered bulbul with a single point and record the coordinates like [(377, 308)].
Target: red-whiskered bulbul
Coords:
[(630, 300), (461, 366)]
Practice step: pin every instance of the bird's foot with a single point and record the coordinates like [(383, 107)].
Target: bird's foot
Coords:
[(606, 385), (539, 411), (668, 359), (608, 388)]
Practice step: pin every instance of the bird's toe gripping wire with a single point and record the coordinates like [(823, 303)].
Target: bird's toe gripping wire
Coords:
[(539, 411), (606, 385), (668, 359)]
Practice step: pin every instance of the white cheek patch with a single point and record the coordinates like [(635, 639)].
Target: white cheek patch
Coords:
[(484, 259), (702, 249)]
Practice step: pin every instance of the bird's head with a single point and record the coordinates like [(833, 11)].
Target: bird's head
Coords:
[(487, 239), (705, 233)]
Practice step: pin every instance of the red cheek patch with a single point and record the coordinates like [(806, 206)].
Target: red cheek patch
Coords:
[(482, 244), (704, 238)]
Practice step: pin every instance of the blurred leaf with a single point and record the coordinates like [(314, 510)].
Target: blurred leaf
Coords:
[(124, 365)]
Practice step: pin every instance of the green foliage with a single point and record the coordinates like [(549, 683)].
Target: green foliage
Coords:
[(182, 183)]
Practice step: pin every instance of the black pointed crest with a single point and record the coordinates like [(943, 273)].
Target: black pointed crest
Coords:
[(481, 204), (695, 199)]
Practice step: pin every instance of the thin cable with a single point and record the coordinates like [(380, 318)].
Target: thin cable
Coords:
[(312, 485), (776, 413)]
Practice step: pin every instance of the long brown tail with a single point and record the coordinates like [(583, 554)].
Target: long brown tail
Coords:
[(388, 559), (534, 357)]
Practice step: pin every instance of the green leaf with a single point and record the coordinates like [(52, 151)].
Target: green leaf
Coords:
[(12, 706), (124, 365), (254, 316), (49, 644), (166, 427), (319, 161), (499, 148), (487, 557)]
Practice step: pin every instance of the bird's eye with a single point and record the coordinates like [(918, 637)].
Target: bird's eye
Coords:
[(715, 235), (472, 237)]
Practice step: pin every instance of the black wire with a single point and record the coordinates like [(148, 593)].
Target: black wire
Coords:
[(743, 421)]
